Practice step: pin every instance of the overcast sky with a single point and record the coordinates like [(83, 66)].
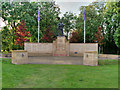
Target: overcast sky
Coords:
[(72, 5)]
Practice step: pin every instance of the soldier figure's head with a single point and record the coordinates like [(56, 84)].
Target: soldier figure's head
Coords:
[(58, 18)]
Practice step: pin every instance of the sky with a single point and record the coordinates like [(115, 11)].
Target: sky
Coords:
[(71, 7)]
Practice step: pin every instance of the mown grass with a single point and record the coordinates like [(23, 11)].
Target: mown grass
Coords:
[(60, 76)]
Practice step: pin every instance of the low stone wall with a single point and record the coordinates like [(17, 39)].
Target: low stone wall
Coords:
[(78, 49), (39, 49), (111, 56)]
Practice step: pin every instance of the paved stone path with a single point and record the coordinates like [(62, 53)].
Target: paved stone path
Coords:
[(56, 60)]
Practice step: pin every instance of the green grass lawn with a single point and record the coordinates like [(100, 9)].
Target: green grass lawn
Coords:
[(60, 76)]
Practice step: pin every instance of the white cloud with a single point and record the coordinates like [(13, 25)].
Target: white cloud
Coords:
[(71, 6)]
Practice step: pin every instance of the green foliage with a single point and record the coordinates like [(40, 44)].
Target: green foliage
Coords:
[(93, 19), (117, 24), (117, 37), (7, 43), (106, 15), (14, 12), (69, 20), (111, 24)]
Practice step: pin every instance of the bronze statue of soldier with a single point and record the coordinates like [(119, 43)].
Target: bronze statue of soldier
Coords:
[(60, 28)]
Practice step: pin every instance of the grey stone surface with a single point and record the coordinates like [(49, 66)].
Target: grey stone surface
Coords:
[(90, 58), (19, 57), (56, 60), (49, 48)]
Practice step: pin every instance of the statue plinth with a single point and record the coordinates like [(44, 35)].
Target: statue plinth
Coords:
[(61, 46)]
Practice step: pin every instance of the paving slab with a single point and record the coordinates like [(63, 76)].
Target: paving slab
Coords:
[(56, 60)]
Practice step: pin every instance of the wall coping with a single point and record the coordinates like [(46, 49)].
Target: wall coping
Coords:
[(70, 43), (91, 52), (19, 51), (83, 43), (108, 55), (38, 43)]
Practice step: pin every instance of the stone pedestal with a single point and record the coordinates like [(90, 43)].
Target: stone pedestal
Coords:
[(90, 58), (61, 46), (19, 57)]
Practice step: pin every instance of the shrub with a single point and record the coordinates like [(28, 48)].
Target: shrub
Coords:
[(48, 36), (75, 37)]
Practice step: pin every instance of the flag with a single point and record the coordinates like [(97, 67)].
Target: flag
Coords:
[(38, 14)]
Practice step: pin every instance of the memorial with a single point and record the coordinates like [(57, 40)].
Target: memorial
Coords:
[(58, 52)]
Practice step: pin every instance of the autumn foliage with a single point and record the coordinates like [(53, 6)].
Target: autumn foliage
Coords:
[(49, 35), (99, 37), (21, 34), (75, 37)]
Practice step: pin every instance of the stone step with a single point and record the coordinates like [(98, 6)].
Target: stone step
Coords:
[(56, 60), (60, 54)]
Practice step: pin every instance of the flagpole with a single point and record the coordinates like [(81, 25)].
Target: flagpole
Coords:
[(38, 24), (84, 25)]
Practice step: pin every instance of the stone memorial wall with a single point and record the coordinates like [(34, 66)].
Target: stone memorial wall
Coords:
[(78, 49), (37, 49), (60, 47)]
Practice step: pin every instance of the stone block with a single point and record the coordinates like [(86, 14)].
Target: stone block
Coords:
[(90, 58), (60, 47), (80, 48), (19, 57)]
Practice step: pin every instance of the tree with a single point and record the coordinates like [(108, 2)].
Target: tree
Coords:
[(9, 13), (117, 19), (48, 36), (93, 15), (111, 23), (14, 12), (75, 37), (21, 34), (6, 40), (69, 20), (49, 12), (117, 37), (99, 38)]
